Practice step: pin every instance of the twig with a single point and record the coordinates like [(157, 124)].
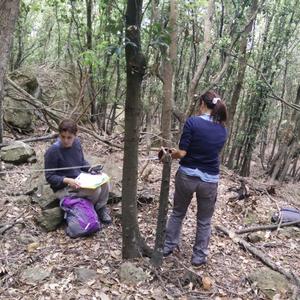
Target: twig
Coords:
[(14, 222), (160, 279), (6, 227)]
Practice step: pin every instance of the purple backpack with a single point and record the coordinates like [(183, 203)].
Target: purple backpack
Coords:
[(80, 216)]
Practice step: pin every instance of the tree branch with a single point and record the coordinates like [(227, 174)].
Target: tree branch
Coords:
[(266, 227), (259, 254)]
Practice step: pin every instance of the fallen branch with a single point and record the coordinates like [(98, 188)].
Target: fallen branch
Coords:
[(266, 227), (5, 227), (33, 139), (259, 254)]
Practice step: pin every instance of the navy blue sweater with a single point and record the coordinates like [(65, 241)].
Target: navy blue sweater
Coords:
[(203, 140), (59, 157)]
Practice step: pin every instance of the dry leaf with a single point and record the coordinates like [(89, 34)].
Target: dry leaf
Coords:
[(102, 296), (206, 283), (32, 247), (85, 292)]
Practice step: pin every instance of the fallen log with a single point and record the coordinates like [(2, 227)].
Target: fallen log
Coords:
[(266, 227), (33, 139), (259, 254)]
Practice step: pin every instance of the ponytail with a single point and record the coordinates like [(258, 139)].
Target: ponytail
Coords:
[(217, 105), (219, 112)]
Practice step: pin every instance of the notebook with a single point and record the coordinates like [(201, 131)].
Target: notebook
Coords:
[(89, 181)]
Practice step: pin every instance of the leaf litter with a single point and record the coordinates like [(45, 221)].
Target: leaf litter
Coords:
[(25, 245)]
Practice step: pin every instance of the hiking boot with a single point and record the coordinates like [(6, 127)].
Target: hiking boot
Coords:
[(104, 216), (198, 261), (167, 251)]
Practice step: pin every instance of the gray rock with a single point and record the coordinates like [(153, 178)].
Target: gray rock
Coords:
[(35, 274), (51, 218), (270, 283), (17, 114), (85, 275), (131, 274), (45, 197), (289, 233), (256, 237), (26, 239), (17, 153)]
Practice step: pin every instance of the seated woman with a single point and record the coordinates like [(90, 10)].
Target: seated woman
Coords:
[(67, 152)]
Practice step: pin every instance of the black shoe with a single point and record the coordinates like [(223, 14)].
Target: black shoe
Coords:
[(197, 262), (167, 251), (104, 216)]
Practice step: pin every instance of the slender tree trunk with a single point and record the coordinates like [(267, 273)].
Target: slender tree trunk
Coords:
[(9, 14), (20, 46), (157, 255), (242, 63), (288, 150), (58, 32), (133, 245), (89, 46), (168, 77), (205, 58)]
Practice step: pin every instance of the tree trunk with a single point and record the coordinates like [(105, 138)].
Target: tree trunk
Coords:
[(288, 151), (133, 245), (89, 46), (205, 58), (168, 83), (242, 63), (168, 78), (9, 14), (157, 255)]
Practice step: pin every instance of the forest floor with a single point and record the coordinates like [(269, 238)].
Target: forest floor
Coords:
[(26, 245)]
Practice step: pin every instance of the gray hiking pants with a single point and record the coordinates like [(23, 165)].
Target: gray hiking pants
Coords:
[(206, 193), (98, 196)]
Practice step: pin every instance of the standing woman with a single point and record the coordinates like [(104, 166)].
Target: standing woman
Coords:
[(200, 144)]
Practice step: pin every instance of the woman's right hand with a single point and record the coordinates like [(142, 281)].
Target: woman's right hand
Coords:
[(71, 183)]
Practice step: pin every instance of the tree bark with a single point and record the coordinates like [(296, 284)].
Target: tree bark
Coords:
[(208, 45), (89, 46), (168, 89), (157, 255), (9, 14), (168, 77), (288, 150), (132, 243), (242, 64)]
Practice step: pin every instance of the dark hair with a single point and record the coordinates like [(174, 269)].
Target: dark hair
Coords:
[(219, 110), (67, 125)]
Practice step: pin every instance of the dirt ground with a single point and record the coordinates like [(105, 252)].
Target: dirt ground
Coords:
[(228, 266)]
